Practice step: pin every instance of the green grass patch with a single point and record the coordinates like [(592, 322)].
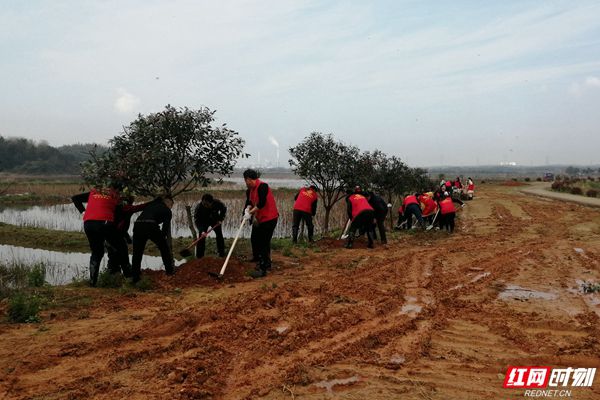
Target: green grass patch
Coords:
[(24, 307)]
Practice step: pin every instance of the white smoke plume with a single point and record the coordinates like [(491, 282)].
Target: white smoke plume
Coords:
[(274, 141)]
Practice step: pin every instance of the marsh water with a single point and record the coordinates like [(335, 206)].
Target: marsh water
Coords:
[(61, 268)]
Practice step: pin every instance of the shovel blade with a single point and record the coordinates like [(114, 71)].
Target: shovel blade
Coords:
[(185, 253), (215, 275)]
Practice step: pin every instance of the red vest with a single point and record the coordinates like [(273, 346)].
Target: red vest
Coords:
[(412, 199), (359, 204), (305, 200), (429, 205), (447, 206), (269, 211), (471, 186), (458, 184), (101, 205)]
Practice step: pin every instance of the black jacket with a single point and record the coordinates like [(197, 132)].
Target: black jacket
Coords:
[(209, 215), (157, 212), (378, 204)]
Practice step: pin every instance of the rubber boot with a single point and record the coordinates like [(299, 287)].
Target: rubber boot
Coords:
[(349, 242), (294, 235), (370, 239), (94, 270)]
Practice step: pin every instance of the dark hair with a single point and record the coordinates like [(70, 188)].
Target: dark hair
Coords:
[(250, 174), (208, 197), (116, 184), (313, 187)]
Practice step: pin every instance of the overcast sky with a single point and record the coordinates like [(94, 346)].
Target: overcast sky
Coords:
[(434, 82)]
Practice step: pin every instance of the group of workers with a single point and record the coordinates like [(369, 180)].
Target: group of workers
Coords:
[(107, 218)]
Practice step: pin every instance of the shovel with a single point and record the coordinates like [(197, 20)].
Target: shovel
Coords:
[(430, 227), (186, 252), (237, 235), (345, 234)]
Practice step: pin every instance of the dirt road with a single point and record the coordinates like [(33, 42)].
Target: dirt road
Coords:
[(433, 316)]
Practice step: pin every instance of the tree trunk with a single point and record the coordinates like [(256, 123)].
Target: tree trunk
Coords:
[(188, 211), (326, 225)]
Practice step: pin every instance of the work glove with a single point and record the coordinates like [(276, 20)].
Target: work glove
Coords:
[(463, 205), (247, 214)]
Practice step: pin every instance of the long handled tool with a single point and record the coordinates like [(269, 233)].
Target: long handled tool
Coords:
[(345, 234), (237, 235), (430, 227), (186, 252)]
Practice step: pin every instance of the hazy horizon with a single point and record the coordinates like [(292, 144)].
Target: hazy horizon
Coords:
[(435, 83)]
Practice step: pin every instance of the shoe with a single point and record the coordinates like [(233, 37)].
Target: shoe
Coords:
[(261, 273)]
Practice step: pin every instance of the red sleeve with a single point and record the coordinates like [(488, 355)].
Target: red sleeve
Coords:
[(133, 209)]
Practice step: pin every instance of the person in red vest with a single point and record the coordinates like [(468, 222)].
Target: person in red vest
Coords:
[(470, 188), (99, 225), (448, 212), (362, 216), (448, 185), (260, 203), (123, 214), (305, 208), (428, 206), (458, 183), (412, 207)]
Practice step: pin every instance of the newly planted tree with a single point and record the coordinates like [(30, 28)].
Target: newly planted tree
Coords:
[(166, 153), (330, 165)]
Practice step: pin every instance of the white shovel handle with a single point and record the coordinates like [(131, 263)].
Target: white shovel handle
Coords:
[(346, 229), (237, 235)]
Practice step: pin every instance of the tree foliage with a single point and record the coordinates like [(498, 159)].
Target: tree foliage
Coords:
[(335, 167), (329, 164), (20, 155), (167, 153)]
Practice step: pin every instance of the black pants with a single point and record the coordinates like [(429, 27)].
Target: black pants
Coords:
[(97, 233), (362, 222), (413, 209), (307, 218), (447, 221), (261, 242), (142, 231), (201, 245), (401, 219), (380, 217), (115, 259)]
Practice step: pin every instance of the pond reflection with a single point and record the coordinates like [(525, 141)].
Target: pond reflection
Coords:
[(61, 268)]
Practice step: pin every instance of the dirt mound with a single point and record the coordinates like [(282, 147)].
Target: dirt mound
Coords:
[(195, 273)]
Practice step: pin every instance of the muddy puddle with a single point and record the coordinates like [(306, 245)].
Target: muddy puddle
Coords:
[(330, 384), (515, 292)]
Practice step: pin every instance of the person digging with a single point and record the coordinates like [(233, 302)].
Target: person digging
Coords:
[(362, 216), (261, 206), (210, 212)]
